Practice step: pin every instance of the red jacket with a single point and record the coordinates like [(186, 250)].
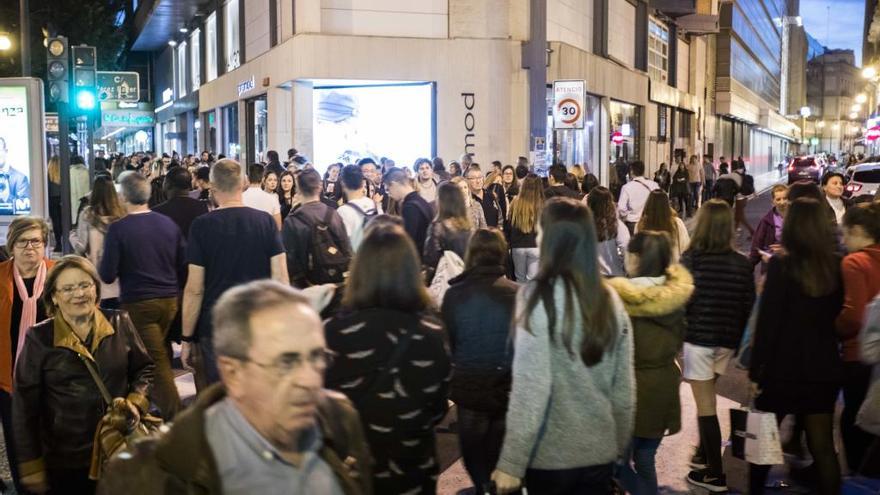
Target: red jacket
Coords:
[(861, 282)]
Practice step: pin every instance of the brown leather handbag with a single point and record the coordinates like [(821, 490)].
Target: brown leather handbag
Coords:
[(118, 430)]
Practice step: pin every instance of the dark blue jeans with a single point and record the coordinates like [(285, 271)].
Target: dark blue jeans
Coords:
[(638, 474), (592, 479)]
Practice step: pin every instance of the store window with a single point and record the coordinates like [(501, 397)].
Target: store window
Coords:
[(211, 46), (581, 146), (231, 146), (658, 51), (662, 123), (181, 69), (258, 131), (625, 131), (194, 61), (231, 35)]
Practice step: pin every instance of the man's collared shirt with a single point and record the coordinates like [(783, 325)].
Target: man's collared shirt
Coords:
[(249, 464)]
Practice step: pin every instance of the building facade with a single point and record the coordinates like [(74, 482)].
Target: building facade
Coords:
[(341, 80)]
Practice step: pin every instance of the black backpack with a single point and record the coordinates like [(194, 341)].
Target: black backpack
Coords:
[(327, 261), (726, 189), (367, 216), (748, 185)]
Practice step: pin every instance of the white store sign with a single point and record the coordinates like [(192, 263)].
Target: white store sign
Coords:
[(568, 104)]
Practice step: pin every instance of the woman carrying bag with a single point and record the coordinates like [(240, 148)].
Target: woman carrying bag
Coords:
[(57, 404)]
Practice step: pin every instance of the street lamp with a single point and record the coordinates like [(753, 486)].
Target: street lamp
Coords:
[(856, 107), (853, 116), (5, 42), (869, 73), (861, 98)]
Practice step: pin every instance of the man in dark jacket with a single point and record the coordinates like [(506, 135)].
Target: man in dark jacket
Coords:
[(270, 426), (556, 179), (317, 245), (180, 208), (416, 212)]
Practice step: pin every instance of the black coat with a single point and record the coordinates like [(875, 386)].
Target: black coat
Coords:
[(478, 310), (56, 403), (724, 292)]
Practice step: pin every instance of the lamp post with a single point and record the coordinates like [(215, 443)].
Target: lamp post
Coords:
[(25, 26), (805, 112)]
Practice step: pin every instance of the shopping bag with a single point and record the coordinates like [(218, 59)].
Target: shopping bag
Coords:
[(754, 437), (450, 266), (868, 417)]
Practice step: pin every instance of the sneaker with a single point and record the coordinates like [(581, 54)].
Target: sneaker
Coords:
[(698, 461), (702, 479)]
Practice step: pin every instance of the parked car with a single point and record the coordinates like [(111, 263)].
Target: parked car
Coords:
[(804, 168), (862, 180)]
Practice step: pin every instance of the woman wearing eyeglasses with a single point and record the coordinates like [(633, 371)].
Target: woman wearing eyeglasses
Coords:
[(56, 402), (20, 292)]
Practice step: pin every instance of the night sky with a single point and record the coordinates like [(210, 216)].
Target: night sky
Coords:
[(842, 29)]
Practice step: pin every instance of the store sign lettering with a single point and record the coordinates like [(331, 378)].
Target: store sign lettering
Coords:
[(246, 86), (469, 122), (120, 119)]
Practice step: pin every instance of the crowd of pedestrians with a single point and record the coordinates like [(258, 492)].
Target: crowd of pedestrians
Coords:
[(331, 319)]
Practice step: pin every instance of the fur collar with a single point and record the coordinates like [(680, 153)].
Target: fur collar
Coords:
[(656, 300)]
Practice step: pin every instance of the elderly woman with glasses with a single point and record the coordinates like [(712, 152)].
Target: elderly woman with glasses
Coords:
[(56, 402), (23, 276)]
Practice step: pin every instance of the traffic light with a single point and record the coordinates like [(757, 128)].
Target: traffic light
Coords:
[(58, 66), (85, 91)]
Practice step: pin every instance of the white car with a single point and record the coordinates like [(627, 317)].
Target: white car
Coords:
[(862, 179)]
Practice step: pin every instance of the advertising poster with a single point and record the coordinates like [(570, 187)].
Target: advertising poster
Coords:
[(15, 157), (354, 122)]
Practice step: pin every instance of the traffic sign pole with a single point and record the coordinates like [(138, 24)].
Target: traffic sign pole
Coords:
[(64, 148)]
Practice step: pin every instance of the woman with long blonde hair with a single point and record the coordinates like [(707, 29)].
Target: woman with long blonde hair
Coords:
[(525, 212)]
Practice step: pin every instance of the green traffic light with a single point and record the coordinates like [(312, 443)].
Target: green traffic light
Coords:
[(85, 100)]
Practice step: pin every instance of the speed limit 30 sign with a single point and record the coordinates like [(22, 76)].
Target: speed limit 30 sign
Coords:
[(568, 104)]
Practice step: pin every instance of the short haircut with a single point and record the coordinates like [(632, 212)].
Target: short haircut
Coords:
[(804, 189), (352, 178), (395, 175), (203, 174), (272, 155), (255, 173), (71, 261), (231, 316), (20, 225), (637, 168), (473, 169), (309, 183), (558, 172), (776, 188), (135, 189), (829, 175), (865, 215), (178, 179), (420, 161), (226, 176), (521, 171), (439, 166), (291, 153), (366, 161)]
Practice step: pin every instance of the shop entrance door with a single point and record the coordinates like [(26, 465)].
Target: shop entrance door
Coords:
[(257, 119)]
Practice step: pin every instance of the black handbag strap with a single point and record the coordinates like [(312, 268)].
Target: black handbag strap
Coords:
[(396, 356), (97, 378)]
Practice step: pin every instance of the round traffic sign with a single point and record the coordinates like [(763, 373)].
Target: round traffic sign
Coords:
[(570, 110)]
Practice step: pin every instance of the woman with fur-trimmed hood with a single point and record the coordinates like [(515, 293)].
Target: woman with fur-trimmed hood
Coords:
[(655, 299)]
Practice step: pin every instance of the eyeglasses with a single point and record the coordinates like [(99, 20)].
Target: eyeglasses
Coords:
[(26, 243), (69, 290), (289, 363)]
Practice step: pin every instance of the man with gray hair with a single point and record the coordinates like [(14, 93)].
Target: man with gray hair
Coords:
[(270, 427), (146, 252), (231, 245)]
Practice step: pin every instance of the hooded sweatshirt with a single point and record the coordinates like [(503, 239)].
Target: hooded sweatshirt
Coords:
[(861, 282)]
